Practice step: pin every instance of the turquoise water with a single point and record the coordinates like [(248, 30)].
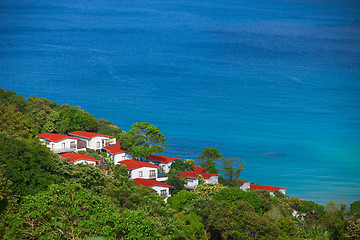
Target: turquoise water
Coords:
[(246, 77)]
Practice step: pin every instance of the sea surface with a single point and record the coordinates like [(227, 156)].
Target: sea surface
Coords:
[(274, 83)]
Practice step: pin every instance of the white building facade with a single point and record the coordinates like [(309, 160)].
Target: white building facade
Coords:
[(95, 141)]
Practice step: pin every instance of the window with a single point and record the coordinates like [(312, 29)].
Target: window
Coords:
[(63, 145), (152, 173), (97, 144), (140, 173), (163, 193)]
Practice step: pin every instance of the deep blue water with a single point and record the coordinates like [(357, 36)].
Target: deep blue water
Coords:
[(247, 77)]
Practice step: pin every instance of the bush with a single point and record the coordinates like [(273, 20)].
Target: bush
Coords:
[(236, 194)]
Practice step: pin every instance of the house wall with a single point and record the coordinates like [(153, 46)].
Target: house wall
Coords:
[(145, 173), (58, 147), (120, 157), (165, 166), (97, 143), (245, 186), (158, 190), (212, 180), (191, 183), (85, 162)]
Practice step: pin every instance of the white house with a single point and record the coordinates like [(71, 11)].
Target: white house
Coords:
[(95, 141), (162, 161), (245, 185), (116, 153), (79, 158), (192, 178), (140, 169), (59, 143), (271, 189), (161, 188)]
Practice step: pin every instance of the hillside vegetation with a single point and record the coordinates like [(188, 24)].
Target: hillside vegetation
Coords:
[(43, 196)]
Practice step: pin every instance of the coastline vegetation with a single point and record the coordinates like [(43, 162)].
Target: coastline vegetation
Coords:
[(43, 196)]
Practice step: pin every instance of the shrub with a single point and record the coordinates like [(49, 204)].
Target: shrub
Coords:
[(236, 194)]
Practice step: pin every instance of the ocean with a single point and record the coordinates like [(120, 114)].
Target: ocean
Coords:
[(275, 83)]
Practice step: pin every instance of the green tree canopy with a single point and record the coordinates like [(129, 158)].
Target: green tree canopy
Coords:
[(73, 119), (181, 165), (13, 122), (29, 165), (143, 139), (176, 181), (208, 158), (71, 212), (229, 170), (9, 97)]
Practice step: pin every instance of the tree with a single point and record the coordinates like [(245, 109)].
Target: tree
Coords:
[(71, 212), (29, 165), (182, 200), (143, 140), (107, 128), (238, 220), (191, 226), (50, 123), (236, 194), (180, 165), (353, 230), (5, 192), (229, 170), (354, 208), (38, 109), (72, 119), (176, 181), (208, 159), (13, 122), (9, 97)]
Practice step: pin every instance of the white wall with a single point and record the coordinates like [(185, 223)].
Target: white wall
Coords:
[(61, 146), (120, 157), (97, 143), (145, 173), (85, 162), (212, 180), (191, 183), (165, 166), (245, 186), (158, 190)]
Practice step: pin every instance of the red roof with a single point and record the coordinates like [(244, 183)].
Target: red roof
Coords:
[(162, 159), (150, 183), (87, 134), (263, 187), (195, 175), (54, 137), (114, 149), (200, 169), (73, 157), (188, 174), (133, 164)]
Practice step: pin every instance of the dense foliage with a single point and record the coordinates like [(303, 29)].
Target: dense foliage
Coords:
[(142, 140), (208, 159), (43, 196)]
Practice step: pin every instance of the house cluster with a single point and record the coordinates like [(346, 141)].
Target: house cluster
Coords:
[(147, 173)]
